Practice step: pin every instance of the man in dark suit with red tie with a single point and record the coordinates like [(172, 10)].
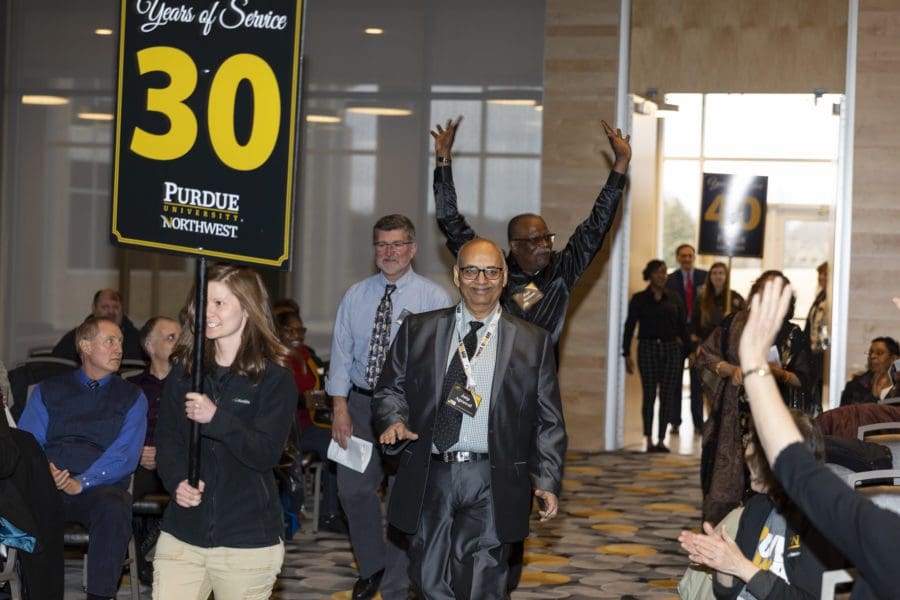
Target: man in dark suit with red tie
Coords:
[(687, 282), (469, 399)]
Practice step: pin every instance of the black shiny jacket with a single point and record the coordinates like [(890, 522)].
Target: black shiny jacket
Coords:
[(565, 267)]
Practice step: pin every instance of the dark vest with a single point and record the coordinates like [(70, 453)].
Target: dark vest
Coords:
[(83, 422)]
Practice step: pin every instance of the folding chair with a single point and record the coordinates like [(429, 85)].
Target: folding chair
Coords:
[(8, 573)]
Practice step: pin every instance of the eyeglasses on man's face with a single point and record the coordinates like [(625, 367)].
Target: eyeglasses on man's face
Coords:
[(395, 246), (538, 239), (470, 273)]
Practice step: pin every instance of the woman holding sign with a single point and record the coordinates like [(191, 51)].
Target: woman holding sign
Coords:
[(224, 536)]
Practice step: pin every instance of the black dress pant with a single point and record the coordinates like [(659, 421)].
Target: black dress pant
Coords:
[(456, 554), (105, 511), (660, 366)]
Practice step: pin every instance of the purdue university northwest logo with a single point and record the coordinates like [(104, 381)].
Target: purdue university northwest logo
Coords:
[(206, 212)]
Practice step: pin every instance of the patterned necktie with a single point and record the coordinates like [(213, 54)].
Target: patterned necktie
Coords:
[(689, 295), (93, 384), (449, 420), (381, 336)]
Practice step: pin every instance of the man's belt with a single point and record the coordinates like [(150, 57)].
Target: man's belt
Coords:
[(359, 390), (459, 457)]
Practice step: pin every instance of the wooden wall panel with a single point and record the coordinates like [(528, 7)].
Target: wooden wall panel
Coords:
[(764, 46), (875, 249), (581, 53)]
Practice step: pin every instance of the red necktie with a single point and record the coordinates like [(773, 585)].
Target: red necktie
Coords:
[(689, 295)]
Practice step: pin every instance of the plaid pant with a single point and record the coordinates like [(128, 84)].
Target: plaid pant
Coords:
[(660, 365)]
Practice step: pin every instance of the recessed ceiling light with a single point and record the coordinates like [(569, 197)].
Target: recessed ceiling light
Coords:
[(380, 111), (322, 119), (374, 30), (539, 108), (513, 101), (95, 116), (103, 31), (44, 100)]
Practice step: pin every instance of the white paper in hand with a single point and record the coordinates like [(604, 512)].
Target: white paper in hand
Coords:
[(356, 456)]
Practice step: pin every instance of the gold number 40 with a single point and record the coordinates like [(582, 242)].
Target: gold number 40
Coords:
[(182, 133), (749, 218)]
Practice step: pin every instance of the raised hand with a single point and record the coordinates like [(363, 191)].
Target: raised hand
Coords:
[(620, 146), (444, 136), (767, 311)]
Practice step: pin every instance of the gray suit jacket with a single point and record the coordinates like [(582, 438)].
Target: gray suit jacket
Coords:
[(526, 432)]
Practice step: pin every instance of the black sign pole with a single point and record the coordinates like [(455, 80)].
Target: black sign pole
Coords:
[(197, 379)]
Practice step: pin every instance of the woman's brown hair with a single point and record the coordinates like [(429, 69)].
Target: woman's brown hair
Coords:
[(259, 342), (708, 297)]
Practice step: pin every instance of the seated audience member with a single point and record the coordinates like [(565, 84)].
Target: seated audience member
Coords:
[(875, 384), (158, 337), (107, 305), (285, 305), (865, 533), (776, 552), (91, 424), (305, 366), (28, 500)]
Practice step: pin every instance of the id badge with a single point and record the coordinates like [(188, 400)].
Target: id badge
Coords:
[(528, 296), (463, 400)]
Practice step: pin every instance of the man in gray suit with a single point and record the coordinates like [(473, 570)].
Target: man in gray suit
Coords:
[(470, 399)]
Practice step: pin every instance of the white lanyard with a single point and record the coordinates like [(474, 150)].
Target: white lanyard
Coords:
[(464, 356)]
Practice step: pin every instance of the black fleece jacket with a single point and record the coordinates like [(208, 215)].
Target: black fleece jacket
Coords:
[(239, 450)]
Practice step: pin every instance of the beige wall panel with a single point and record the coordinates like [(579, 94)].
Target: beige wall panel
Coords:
[(875, 250), (738, 46), (581, 53)]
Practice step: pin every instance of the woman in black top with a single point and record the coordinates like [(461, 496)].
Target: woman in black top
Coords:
[(875, 384), (661, 339), (224, 535), (777, 553), (709, 305), (864, 533)]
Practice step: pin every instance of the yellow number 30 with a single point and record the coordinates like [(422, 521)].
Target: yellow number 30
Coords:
[(182, 133)]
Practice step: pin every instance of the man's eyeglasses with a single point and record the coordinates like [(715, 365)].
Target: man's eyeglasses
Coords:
[(538, 239), (396, 246), (471, 273)]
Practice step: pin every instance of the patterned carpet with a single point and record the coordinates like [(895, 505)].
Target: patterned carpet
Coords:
[(620, 515)]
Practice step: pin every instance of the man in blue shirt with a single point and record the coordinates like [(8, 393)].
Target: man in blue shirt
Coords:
[(367, 320), (91, 424)]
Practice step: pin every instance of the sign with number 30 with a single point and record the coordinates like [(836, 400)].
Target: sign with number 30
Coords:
[(206, 129)]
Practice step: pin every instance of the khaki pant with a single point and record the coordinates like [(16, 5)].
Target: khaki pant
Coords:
[(185, 572)]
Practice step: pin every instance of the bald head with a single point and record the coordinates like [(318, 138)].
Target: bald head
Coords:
[(108, 305), (480, 274), (530, 242)]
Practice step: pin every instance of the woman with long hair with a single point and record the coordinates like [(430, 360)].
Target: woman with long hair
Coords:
[(662, 337), (722, 462), (709, 305), (224, 536)]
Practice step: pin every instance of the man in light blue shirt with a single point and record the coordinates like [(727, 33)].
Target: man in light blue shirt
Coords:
[(367, 320), (91, 425)]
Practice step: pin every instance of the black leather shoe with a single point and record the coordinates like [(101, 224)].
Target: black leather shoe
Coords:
[(332, 523), (365, 587)]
